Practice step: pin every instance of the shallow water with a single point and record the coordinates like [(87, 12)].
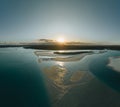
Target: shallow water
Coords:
[(30, 80), (21, 83), (100, 69)]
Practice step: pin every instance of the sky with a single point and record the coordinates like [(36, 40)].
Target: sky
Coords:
[(75, 20)]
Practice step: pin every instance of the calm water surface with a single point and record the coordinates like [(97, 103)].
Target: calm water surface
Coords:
[(21, 83), (28, 80)]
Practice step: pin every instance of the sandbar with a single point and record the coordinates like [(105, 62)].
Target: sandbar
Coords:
[(114, 63)]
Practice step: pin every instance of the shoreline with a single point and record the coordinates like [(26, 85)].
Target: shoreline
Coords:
[(113, 65), (70, 59), (63, 47), (66, 56)]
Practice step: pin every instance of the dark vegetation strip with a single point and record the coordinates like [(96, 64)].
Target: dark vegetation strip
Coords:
[(74, 47), (72, 53), (65, 47)]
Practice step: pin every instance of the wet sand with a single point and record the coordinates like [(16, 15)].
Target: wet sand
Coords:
[(77, 76), (83, 91), (56, 82), (114, 63), (53, 57), (72, 58), (80, 89)]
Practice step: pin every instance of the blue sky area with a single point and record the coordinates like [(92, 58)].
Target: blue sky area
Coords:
[(75, 20)]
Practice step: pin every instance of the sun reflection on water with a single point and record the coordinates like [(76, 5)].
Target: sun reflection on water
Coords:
[(60, 63)]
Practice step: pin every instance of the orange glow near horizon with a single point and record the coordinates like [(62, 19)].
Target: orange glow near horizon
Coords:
[(61, 40)]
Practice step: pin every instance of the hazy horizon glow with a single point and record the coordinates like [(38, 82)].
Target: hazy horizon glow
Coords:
[(77, 20), (61, 40)]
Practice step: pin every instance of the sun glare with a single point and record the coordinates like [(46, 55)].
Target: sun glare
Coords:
[(61, 40)]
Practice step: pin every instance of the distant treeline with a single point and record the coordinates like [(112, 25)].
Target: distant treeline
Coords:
[(66, 47), (74, 47)]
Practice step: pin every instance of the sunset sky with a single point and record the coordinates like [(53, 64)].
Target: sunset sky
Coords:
[(75, 20)]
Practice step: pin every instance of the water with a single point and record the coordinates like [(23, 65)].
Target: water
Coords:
[(30, 80), (107, 75), (21, 83)]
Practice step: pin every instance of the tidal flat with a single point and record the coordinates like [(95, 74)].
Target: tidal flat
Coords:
[(114, 63), (34, 78), (70, 83)]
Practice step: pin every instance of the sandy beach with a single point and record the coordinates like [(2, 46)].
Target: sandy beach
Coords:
[(114, 63), (50, 56)]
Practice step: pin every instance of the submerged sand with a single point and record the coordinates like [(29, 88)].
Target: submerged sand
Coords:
[(58, 85), (64, 59), (77, 76), (114, 63), (78, 88)]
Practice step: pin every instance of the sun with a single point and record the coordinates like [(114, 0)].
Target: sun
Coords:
[(61, 40)]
